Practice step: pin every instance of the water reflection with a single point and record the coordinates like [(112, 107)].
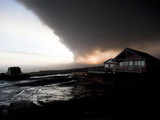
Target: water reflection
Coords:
[(44, 94), (48, 93)]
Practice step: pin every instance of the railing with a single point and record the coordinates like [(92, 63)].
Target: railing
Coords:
[(127, 68)]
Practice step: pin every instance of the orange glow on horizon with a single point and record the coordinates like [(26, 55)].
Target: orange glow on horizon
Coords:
[(96, 57)]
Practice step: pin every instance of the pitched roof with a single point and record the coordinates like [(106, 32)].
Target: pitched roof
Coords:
[(136, 52)]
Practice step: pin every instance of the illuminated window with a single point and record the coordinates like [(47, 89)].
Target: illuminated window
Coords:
[(111, 65), (106, 65), (121, 64), (139, 63), (143, 63), (130, 63)]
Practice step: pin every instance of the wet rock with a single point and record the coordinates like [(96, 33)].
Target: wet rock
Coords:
[(3, 111), (21, 110), (20, 105)]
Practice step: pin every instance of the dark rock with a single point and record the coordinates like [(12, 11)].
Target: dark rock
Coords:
[(3, 112), (19, 105)]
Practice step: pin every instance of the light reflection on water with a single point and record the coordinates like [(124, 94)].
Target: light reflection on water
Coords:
[(44, 94), (3, 83), (34, 94)]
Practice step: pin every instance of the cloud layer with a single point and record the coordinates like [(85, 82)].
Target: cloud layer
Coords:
[(85, 26)]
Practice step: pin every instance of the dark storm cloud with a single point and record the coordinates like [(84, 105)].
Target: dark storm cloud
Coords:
[(86, 25)]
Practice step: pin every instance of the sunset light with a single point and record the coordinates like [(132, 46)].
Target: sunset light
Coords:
[(96, 57)]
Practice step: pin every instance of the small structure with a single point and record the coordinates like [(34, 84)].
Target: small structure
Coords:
[(130, 60), (14, 71)]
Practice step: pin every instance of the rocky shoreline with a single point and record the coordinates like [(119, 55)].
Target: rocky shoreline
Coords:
[(76, 99)]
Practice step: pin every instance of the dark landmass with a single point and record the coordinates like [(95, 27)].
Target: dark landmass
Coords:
[(8, 77), (23, 76), (49, 72), (94, 95)]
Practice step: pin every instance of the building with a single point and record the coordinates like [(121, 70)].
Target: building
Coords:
[(130, 60), (111, 65), (14, 71)]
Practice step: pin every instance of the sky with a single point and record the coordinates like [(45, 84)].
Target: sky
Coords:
[(26, 41), (52, 32), (96, 27)]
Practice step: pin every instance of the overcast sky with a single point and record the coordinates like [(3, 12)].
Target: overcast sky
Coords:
[(76, 31), (25, 40), (87, 26)]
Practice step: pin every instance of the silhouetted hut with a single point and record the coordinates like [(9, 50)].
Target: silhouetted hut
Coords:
[(130, 60), (14, 71)]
